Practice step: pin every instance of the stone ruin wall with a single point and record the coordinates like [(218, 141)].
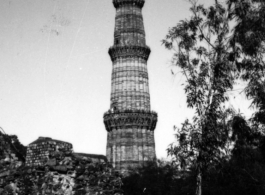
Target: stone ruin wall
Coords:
[(39, 151)]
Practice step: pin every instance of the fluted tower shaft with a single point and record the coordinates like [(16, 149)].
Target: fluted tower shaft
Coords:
[(130, 122)]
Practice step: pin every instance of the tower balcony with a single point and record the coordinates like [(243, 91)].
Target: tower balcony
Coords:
[(118, 3), (130, 118), (129, 51)]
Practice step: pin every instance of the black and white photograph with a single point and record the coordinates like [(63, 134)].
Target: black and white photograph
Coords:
[(132, 97)]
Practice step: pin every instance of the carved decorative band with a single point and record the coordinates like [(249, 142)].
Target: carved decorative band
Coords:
[(128, 30), (128, 16), (133, 73), (118, 3), (126, 119), (129, 51)]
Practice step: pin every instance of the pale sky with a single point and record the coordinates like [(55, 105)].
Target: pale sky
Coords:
[(55, 70)]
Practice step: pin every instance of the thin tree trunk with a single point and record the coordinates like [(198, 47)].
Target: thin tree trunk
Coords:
[(199, 182)]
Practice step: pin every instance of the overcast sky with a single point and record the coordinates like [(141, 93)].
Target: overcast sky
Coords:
[(55, 70)]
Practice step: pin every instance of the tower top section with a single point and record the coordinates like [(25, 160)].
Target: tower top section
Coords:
[(119, 3)]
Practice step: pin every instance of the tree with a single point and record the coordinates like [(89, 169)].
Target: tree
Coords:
[(243, 173), (154, 178), (202, 55), (12, 143), (158, 178), (213, 48), (248, 52)]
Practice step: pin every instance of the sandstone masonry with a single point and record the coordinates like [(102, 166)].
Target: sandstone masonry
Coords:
[(130, 122)]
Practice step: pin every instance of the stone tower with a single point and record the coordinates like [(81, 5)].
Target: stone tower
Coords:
[(130, 122)]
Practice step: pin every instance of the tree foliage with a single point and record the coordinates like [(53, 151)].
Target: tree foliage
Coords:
[(158, 178), (248, 51), (213, 48), (243, 174), (11, 142), (201, 54)]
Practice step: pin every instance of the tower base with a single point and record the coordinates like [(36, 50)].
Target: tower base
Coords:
[(130, 138)]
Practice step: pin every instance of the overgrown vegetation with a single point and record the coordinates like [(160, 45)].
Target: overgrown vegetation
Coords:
[(243, 173), (214, 48), (64, 173)]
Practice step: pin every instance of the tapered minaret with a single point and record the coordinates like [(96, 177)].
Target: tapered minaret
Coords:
[(130, 122)]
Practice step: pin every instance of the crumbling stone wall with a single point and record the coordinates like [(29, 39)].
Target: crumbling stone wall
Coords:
[(38, 152), (64, 174)]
